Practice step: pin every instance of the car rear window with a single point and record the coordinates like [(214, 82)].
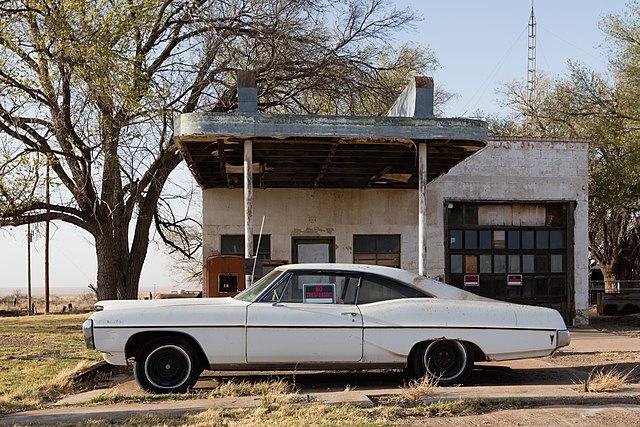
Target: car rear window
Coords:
[(375, 289)]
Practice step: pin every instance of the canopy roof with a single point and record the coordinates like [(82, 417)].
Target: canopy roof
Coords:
[(297, 151)]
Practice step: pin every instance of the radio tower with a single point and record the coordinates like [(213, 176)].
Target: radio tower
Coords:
[(531, 76)]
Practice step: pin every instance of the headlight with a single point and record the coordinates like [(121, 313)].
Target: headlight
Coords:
[(87, 333)]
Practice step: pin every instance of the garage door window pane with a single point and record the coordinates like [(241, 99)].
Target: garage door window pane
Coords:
[(528, 239), (485, 239), (499, 239), (455, 239), (514, 263), (470, 239), (499, 263), (455, 215), (513, 239), (470, 264), (542, 264), (555, 215), (542, 239), (528, 264), (485, 263), (557, 263), (556, 239), (470, 215), (456, 264)]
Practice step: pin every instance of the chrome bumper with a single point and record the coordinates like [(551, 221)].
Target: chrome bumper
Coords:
[(87, 333), (563, 338)]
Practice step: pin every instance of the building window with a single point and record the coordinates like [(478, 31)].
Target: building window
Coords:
[(233, 244), (377, 250)]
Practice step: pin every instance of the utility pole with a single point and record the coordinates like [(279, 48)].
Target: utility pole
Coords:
[(531, 75), (29, 303), (46, 244)]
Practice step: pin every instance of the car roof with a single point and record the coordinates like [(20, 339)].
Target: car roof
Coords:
[(425, 284)]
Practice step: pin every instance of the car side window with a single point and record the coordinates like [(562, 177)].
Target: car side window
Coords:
[(315, 288), (374, 289)]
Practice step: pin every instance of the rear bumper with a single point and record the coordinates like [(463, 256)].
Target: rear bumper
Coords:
[(563, 338)]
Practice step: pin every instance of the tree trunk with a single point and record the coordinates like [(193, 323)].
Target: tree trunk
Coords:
[(610, 279), (113, 280)]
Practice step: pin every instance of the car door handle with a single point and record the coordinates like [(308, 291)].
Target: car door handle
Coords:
[(350, 314)]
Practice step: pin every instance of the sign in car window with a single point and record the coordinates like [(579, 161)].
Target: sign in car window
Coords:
[(319, 293)]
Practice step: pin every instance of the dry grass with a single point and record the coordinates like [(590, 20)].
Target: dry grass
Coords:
[(601, 381), (39, 357), (316, 414), (295, 415), (272, 392), (415, 392), (234, 388)]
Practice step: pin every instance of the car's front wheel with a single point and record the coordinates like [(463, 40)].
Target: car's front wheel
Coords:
[(166, 365), (447, 361)]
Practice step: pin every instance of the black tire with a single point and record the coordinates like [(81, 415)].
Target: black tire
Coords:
[(167, 365), (449, 361)]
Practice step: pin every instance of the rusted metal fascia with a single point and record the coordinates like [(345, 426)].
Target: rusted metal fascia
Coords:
[(325, 166)]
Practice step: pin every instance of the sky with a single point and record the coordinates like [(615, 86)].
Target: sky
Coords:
[(480, 45)]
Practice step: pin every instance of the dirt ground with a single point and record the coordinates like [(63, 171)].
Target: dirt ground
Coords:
[(588, 416), (625, 325), (628, 324)]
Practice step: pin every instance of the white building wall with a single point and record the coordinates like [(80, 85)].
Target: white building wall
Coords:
[(322, 212), (526, 170)]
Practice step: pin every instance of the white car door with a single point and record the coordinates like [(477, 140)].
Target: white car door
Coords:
[(307, 319)]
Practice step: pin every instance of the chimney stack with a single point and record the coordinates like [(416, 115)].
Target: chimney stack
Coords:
[(247, 92)]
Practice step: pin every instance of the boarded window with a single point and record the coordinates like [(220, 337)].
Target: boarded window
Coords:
[(377, 250)]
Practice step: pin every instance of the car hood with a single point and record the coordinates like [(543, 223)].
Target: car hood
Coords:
[(164, 303)]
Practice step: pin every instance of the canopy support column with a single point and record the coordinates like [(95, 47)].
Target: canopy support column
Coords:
[(422, 207), (248, 205)]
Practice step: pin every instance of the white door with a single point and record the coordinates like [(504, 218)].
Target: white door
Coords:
[(311, 318), (300, 332)]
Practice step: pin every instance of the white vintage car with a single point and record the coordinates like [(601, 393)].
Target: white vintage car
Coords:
[(321, 316)]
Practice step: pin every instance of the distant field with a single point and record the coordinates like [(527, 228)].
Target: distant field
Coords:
[(79, 303)]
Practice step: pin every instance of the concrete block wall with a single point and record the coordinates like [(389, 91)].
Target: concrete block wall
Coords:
[(519, 170)]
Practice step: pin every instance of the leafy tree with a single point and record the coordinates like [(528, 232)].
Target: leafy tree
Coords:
[(90, 87)]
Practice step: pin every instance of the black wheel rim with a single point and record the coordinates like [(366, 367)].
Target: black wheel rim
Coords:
[(445, 360), (168, 367)]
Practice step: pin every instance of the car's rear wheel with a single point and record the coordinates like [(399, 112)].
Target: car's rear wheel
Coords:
[(447, 361), (167, 365)]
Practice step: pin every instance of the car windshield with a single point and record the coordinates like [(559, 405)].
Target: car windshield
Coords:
[(253, 291)]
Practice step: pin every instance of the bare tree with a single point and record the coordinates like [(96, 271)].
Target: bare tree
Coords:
[(89, 87)]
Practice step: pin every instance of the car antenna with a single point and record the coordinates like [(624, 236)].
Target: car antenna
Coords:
[(255, 257)]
